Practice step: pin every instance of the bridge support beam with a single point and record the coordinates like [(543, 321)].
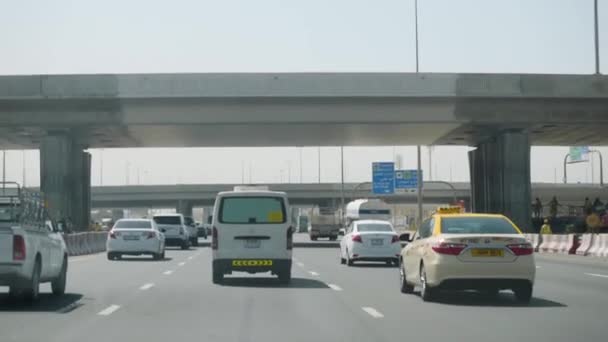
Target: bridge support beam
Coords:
[(500, 177), (65, 179), (184, 207)]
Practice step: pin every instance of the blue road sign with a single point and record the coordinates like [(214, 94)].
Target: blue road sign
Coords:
[(406, 180), (383, 178)]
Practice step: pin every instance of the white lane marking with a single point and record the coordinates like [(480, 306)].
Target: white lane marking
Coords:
[(109, 310), (597, 275), (313, 273), (372, 312), (146, 286), (167, 272), (537, 266), (181, 264), (300, 264), (190, 257), (334, 287)]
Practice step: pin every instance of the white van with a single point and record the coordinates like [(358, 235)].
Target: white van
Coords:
[(251, 233)]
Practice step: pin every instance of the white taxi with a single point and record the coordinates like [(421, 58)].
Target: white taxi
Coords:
[(468, 251), (251, 233), (370, 240), (135, 237)]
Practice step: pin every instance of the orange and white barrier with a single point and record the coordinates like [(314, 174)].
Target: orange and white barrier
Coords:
[(549, 243), (586, 244), (564, 244)]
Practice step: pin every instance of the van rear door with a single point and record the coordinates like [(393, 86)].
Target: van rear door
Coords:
[(253, 226)]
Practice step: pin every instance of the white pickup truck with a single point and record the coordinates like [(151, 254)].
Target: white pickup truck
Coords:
[(32, 249)]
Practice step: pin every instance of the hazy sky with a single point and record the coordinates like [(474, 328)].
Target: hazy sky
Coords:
[(111, 36)]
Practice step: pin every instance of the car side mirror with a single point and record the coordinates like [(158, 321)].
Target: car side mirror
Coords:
[(405, 237), (342, 232), (163, 230)]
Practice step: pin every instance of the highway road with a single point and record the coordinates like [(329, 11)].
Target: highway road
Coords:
[(174, 300)]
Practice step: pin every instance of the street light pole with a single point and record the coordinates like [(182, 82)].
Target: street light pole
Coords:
[(342, 179), (597, 38), (319, 163), (419, 194), (416, 27), (301, 165)]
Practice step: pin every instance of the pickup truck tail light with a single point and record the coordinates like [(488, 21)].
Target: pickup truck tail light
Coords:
[(18, 247)]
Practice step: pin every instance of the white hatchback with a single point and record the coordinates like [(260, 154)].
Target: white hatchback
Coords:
[(135, 237), (251, 233), (370, 240)]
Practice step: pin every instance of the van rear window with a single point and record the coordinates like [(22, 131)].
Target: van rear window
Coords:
[(252, 210)]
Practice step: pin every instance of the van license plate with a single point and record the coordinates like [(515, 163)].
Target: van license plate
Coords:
[(252, 243)]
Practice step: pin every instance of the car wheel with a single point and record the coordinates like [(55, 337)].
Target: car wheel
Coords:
[(332, 238), (523, 293), (218, 276), (349, 261), (110, 256), (117, 256), (404, 286), (285, 276), (185, 245), (162, 255), (58, 284), (427, 293), (194, 242), (313, 238), (32, 291)]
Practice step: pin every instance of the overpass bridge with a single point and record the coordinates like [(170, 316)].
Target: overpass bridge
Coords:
[(499, 114), (185, 197)]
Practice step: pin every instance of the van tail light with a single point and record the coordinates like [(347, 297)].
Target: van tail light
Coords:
[(357, 238), (214, 242), (18, 247), (289, 238), (395, 238), (151, 235), (521, 249), (449, 248), (113, 234)]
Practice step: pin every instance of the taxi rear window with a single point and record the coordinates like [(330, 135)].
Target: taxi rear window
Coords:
[(476, 225), (252, 210)]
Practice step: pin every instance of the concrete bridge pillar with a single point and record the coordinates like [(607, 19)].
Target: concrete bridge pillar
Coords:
[(500, 177), (65, 179), (184, 207)]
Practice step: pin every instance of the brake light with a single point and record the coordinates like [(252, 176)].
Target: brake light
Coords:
[(113, 234), (214, 241), (151, 235), (395, 239), (521, 249), (449, 248), (289, 238), (18, 247), (357, 238)]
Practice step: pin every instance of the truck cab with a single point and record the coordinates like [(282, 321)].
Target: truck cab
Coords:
[(32, 249)]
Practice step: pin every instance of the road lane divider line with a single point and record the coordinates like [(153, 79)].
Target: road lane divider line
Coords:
[(537, 266), (334, 287), (372, 312), (167, 272), (109, 310), (313, 273), (300, 264), (190, 257), (181, 264), (597, 275), (146, 286)]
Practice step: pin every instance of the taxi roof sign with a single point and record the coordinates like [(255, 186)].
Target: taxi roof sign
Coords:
[(449, 210)]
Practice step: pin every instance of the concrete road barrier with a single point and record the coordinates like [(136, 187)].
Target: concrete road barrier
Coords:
[(586, 244), (85, 243), (534, 240), (599, 245), (564, 244)]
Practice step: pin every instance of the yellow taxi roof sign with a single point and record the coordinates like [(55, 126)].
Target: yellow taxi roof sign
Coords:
[(449, 210)]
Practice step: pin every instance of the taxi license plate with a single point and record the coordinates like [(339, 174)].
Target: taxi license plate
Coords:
[(377, 242), (486, 252), (249, 263), (131, 237), (252, 243)]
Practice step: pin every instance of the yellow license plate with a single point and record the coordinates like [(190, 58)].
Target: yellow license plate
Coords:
[(250, 263), (486, 252)]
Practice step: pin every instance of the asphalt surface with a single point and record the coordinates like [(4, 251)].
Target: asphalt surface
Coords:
[(144, 300)]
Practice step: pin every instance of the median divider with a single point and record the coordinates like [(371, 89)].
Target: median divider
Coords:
[(586, 244), (85, 243), (599, 245)]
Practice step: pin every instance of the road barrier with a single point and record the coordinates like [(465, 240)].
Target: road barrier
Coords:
[(534, 240), (599, 247), (548, 243), (85, 243), (565, 241), (586, 244)]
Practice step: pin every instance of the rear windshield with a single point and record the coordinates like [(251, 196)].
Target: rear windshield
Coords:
[(133, 224), (374, 227), (167, 220), (477, 225), (188, 220), (252, 210)]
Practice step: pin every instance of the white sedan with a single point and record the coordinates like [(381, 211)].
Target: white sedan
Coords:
[(370, 240), (480, 252), (135, 237)]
